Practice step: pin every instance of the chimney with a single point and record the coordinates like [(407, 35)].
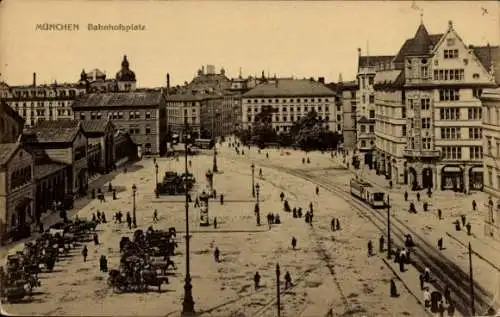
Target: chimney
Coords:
[(168, 83), (340, 78), (450, 24), (359, 51), (34, 79), (321, 80), (276, 82)]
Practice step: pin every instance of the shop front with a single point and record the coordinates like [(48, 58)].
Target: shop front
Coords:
[(452, 178), (476, 178)]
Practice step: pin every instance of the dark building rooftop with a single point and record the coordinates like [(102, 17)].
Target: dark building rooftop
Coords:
[(6, 152), (95, 126), (119, 99), (289, 87), (54, 131)]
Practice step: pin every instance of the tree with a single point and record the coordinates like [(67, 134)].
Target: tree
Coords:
[(263, 131)]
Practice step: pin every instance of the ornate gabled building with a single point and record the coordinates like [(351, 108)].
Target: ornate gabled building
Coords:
[(96, 81), (437, 93)]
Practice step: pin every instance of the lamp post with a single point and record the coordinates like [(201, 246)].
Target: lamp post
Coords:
[(156, 170), (388, 227), (134, 219), (188, 302), (253, 179), (214, 168), (257, 188), (278, 299)]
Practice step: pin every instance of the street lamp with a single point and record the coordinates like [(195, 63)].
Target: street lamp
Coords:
[(134, 219), (257, 188), (214, 168), (156, 170), (253, 179), (188, 302)]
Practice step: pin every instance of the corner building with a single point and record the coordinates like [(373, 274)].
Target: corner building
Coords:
[(442, 79)]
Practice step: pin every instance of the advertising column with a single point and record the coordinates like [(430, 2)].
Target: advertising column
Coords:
[(204, 210)]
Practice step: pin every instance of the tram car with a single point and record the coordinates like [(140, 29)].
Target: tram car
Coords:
[(365, 191)]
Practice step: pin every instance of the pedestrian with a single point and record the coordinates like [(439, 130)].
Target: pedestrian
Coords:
[(370, 248), (190, 163), (282, 196), (440, 214), (332, 226), (468, 228), (103, 264), (96, 238), (474, 205), (441, 309), (110, 187), (217, 254), (215, 193), (311, 207), (337, 224), (406, 195), (288, 280), (402, 260), (451, 310), (418, 196), (215, 222), (427, 297), (447, 294), (222, 199), (114, 194), (103, 217), (99, 219), (308, 161), (421, 278), (267, 155), (196, 202), (85, 252), (440, 243), (256, 280), (381, 243), (260, 172), (129, 220), (317, 190), (427, 275), (463, 218), (94, 218), (155, 216), (294, 243), (394, 290), (303, 160)]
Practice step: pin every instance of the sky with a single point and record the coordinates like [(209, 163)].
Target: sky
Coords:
[(286, 38)]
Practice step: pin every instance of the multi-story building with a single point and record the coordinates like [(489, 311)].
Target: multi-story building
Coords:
[(290, 99), (141, 113), (347, 93), (491, 128), (441, 81), (41, 102), (365, 109), (184, 108), (11, 124), (17, 191)]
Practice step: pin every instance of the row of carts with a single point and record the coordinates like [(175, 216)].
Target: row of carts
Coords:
[(20, 276), (145, 260)]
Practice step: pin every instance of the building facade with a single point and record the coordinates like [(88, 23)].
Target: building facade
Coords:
[(11, 124), (441, 79), (290, 99), (491, 134), (365, 109), (61, 141), (37, 102), (17, 192), (100, 136), (141, 113), (348, 101)]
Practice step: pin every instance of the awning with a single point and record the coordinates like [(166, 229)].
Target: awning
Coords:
[(452, 169)]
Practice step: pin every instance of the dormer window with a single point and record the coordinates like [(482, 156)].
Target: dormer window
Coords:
[(450, 42), (475, 76)]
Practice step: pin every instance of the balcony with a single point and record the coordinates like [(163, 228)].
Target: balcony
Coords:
[(422, 153)]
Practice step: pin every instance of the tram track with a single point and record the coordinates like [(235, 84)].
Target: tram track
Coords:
[(445, 271)]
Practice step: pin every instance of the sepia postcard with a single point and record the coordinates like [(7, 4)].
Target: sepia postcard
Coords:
[(249, 158)]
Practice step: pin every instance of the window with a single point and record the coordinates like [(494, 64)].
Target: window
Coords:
[(148, 114), (148, 130), (476, 153), (370, 80), (403, 131), (476, 93), (364, 99), (372, 128), (403, 112), (339, 117), (424, 71), (120, 115), (426, 143), (425, 104), (371, 99), (475, 133), (426, 123), (450, 42), (283, 109), (131, 115), (450, 53), (452, 152), (449, 113), (353, 95), (450, 133), (475, 113), (363, 128), (82, 116), (363, 143), (449, 94), (137, 115)]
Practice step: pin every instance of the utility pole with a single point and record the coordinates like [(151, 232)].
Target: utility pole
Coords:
[(278, 289), (388, 227), (473, 309)]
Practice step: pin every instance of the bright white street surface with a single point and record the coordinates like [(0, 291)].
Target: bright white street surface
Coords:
[(330, 270)]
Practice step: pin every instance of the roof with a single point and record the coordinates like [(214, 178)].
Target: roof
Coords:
[(98, 73), (367, 61), (119, 99), (418, 45), (94, 126), (42, 170), (289, 87), (53, 131), (489, 56), (4, 107), (387, 76), (6, 152), (190, 97)]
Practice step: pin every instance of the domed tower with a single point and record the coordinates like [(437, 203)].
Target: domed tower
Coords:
[(125, 78)]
